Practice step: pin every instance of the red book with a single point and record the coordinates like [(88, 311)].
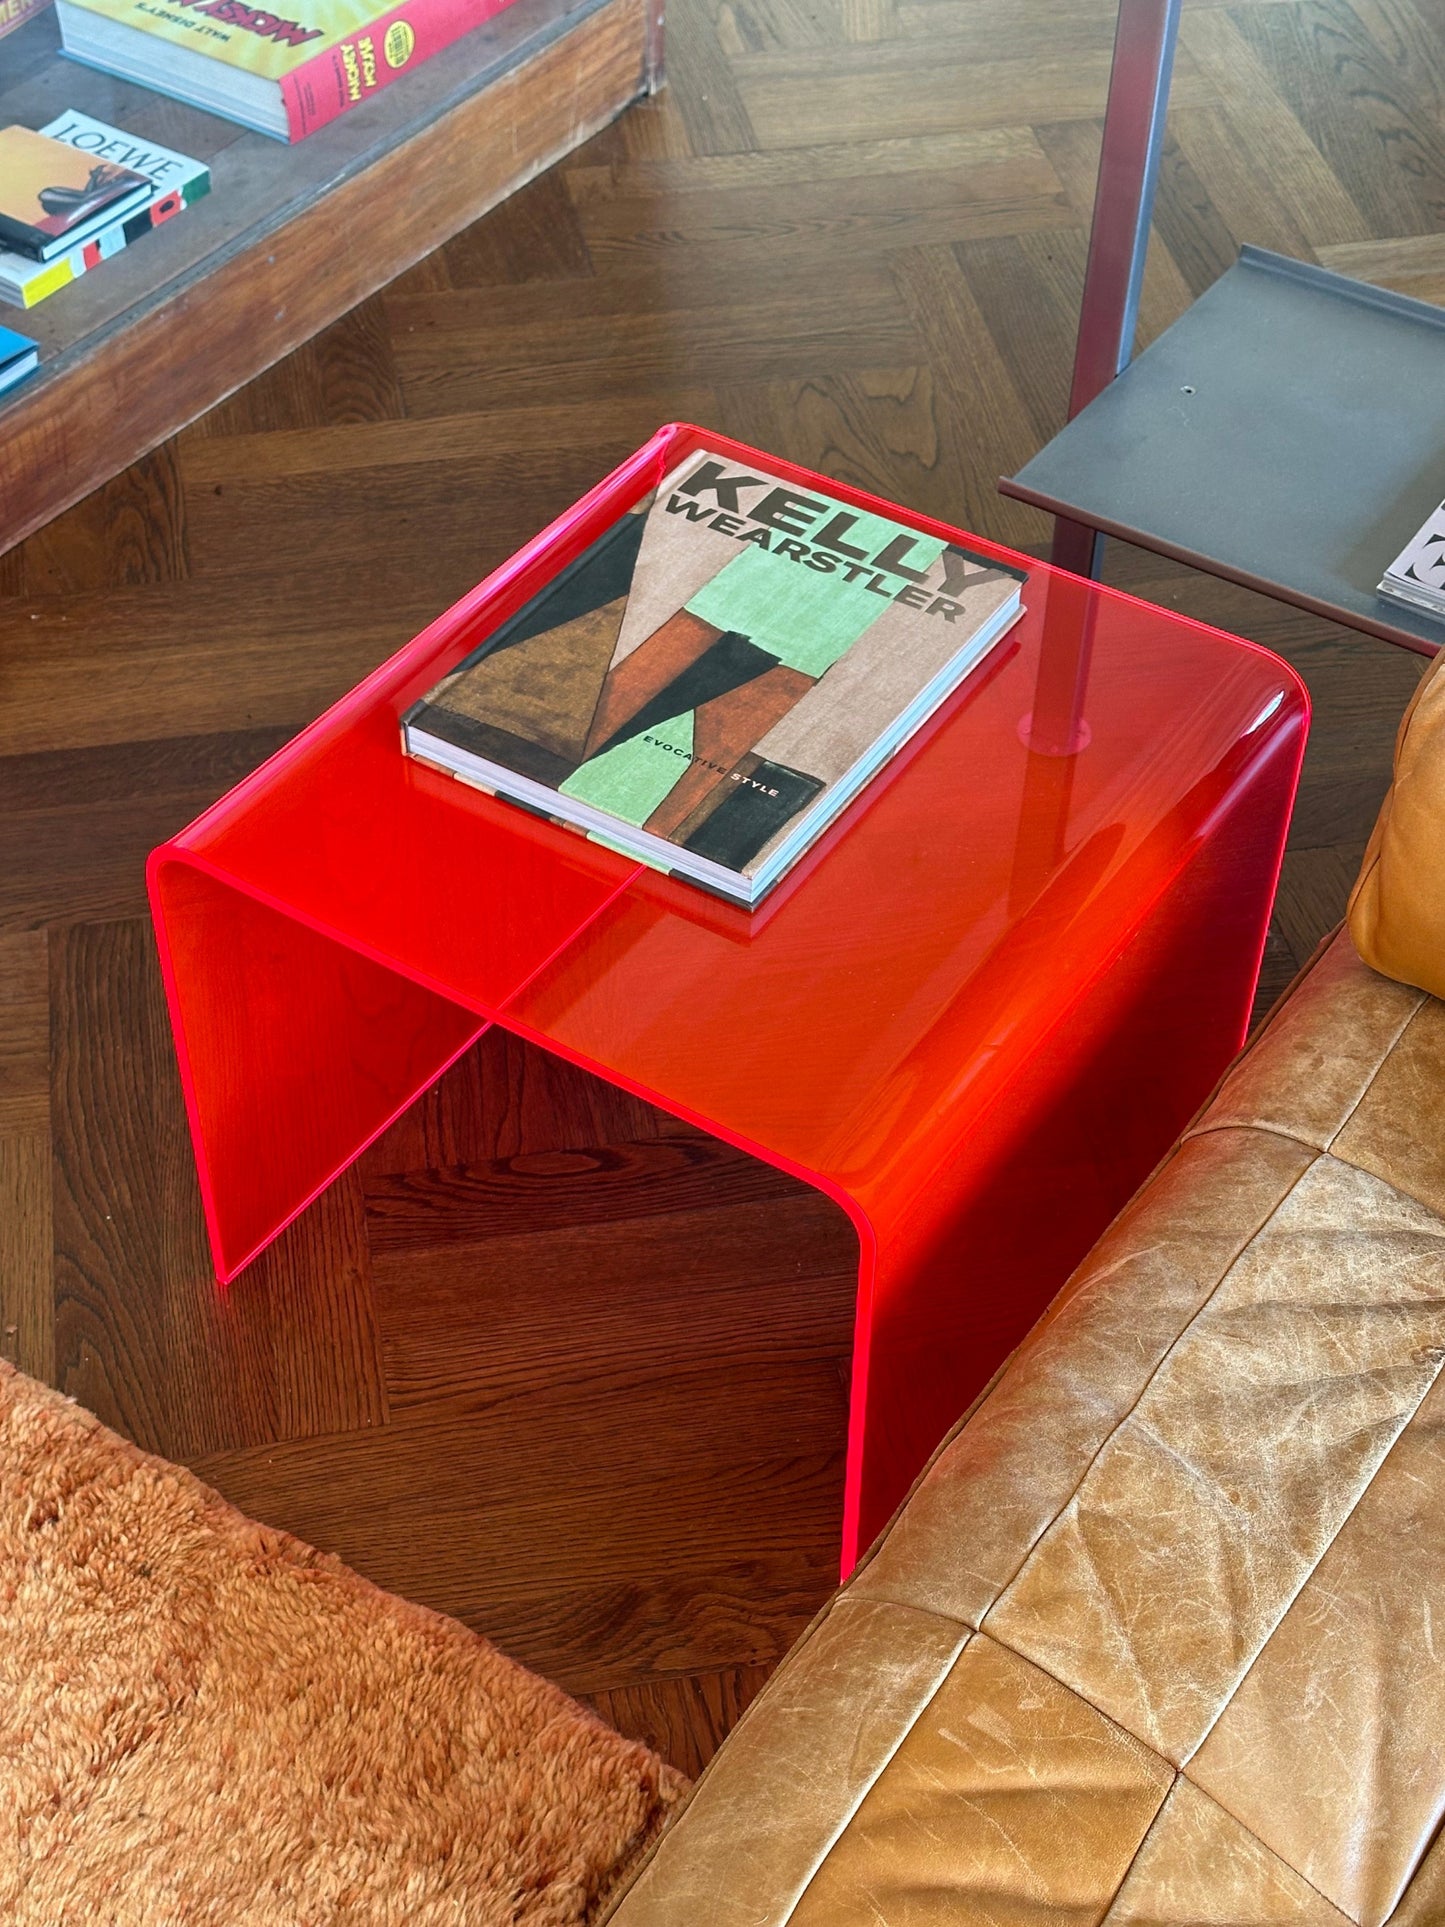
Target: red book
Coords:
[(331, 82)]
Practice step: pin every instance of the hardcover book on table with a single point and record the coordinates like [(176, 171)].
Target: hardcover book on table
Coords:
[(284, 72), (174, 182), (719, 674), (1416, 577), (52, 196)]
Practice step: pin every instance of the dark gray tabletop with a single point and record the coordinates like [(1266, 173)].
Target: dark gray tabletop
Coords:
[(1288, 431)]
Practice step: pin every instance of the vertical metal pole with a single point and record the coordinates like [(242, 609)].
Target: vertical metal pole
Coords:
[(1134, 115), (1144, 40)]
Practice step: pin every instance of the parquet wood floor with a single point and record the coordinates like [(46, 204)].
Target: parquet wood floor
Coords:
[(547, 1359)]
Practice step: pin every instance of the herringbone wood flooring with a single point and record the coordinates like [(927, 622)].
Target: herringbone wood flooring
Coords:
[(547, 1359)]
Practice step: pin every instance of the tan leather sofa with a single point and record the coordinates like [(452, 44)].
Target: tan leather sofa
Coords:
[(1159, 1637)]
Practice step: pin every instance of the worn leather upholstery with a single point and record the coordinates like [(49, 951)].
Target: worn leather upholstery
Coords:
[(1160, 1635)]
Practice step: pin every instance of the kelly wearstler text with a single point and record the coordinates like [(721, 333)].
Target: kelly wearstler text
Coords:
[(786, 514)]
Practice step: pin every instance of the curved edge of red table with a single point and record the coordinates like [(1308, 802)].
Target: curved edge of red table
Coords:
[(976, 1016)]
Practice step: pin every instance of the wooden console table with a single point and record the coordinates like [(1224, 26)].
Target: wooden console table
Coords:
[(290, 237)]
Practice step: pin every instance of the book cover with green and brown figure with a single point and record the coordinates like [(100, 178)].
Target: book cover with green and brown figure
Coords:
[(724, 666)]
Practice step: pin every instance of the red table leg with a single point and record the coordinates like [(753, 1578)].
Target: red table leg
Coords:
[(1018, 1197), (295, 1051)]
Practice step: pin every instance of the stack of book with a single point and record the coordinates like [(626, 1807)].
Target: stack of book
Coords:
[(1416, 577), (76, 193), (53, 197), (281, 74), (717, 677)]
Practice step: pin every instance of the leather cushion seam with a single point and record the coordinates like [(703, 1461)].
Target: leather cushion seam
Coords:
[(1394, 1044), (1354, 1506), (1227, 1123), (1258, 1838), (851, 1813), (1238, 1252)]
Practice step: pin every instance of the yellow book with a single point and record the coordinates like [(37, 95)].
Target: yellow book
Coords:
[(285, 71), (252, 39)]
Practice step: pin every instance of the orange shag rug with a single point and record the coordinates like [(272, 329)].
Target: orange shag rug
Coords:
[(203, 1722)]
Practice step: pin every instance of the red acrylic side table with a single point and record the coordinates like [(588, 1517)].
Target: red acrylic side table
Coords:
[(976, 1015)]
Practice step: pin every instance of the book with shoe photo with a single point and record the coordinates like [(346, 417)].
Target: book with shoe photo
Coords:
[(52, 195), (175, 182), (716, 677)]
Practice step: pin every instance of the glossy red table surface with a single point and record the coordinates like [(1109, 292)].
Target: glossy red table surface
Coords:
[(976, 1014)]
